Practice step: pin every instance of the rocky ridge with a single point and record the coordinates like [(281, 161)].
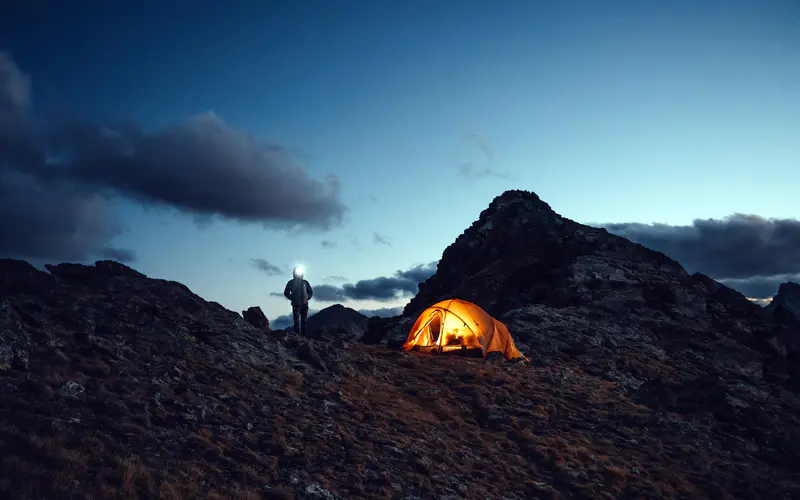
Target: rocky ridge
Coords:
[(785, 306), (562, 286), (116, 385)]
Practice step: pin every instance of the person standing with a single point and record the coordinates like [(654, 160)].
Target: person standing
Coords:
[(299, 292)]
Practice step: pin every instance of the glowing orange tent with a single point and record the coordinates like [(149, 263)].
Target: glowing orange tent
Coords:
[(456, 324)]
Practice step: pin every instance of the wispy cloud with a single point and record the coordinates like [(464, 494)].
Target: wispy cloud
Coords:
[(267, 267), (355, 242), (479, 168), (475, 138), (470, 170), (380, 239)]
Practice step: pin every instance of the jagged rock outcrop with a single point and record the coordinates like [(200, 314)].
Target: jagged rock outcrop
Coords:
[(788, 297), (256, 317), (786, 304)]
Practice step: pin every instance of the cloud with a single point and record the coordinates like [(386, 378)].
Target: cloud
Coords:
[(328, 244), (59, 178), (323, 293), (469, 169), (380, 239), (418, 273), (267, 267), (53, 220), (329, 293), (205, 168), (760, 287), (478, 140), (42, 217), (383, 312), (748, 252), (119, 254), (335, 278), (383, 288)]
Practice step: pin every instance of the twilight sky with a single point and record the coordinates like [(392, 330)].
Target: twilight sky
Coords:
[(219, 145)]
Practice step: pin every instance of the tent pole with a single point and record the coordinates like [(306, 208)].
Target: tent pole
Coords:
[(441, 331)]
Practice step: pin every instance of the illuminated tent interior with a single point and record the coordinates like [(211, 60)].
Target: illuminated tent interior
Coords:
[(458, 325)]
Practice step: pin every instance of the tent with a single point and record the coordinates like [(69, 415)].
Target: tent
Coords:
[(454, 325)]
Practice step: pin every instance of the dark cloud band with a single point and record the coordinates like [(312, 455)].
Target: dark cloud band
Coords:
[(58, 181), (383, 288), (749, 253)]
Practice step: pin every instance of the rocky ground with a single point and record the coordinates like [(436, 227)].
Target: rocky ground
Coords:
[(114, 385)]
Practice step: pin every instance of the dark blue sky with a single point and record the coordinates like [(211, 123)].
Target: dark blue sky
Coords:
[(613, 112)]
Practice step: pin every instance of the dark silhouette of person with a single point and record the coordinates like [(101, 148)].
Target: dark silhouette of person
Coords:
[(299, 291)]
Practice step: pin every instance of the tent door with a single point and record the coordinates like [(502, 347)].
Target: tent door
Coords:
[(436, 315)]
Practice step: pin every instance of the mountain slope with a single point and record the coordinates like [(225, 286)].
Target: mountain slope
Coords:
[(560, 285), (114, 385), (646, 383), (337, 318)]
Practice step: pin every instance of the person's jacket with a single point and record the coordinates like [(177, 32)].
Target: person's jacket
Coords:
[(298, 291)]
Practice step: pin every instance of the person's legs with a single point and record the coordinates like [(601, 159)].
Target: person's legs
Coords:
[(296, 317), (303, 316)]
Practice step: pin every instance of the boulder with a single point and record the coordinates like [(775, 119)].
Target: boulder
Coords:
[(256, 317)]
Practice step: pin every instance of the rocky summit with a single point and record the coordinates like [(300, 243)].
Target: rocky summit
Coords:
[(681, 345), (562, 286), (785, 306), (644, 382)]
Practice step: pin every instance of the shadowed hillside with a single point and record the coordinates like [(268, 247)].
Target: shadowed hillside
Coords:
[(120, 386), (116, 385)]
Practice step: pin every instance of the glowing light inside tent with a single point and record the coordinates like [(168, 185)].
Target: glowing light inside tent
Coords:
[(455, 324)]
